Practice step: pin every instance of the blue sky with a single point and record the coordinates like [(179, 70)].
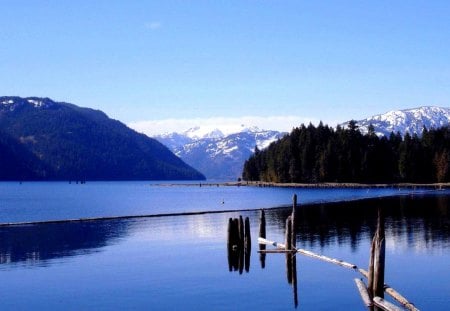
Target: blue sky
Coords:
[(202, 61)]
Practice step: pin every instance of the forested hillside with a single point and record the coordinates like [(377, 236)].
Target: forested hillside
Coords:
[(312, 154), (47, 140)]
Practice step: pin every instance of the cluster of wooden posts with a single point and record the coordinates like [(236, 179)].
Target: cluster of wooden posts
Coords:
[(239, 244), (372, 295)]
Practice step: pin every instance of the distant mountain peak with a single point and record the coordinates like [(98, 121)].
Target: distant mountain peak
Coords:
[(410, 121), (215, 154)]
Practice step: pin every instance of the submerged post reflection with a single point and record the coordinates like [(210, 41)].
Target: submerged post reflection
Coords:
[(291, 273), (239, 245)]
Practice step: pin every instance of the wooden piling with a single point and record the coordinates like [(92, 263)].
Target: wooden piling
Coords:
[(281, 248), (262, 234), (377, 260), (293, 225), (288, 239), (262, 225), (370, 269)]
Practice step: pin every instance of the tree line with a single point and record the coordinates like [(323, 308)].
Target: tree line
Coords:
[(311, 154)]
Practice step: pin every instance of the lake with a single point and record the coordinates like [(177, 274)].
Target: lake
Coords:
[(181, 261)]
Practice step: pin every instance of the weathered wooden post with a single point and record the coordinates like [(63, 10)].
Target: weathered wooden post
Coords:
[(262, 225), (375, 277), (288, 239), (379, 261), (293, 226), (262, 234)]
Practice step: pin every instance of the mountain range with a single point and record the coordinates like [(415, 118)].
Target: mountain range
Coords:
[(411, 121), (215, 154), (41, 139), (221, 156)]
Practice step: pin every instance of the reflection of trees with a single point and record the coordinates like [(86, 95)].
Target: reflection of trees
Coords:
[(41, 242), (417, 220)]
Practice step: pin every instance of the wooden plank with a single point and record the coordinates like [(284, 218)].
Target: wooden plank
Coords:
[(328, 259), (363, 272), (393, 293), (385, 305), (273, 243), (309, 253), (276, 251), (363, 292), (397, 296)]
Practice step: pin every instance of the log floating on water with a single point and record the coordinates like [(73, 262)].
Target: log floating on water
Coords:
[(308, 253), (327, 259), (397, 296), (363, 292), (389, 290), (273, 243), (374, 275), (385, 305)]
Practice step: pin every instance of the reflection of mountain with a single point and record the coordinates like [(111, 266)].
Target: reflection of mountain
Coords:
[(41, 242), (417, 222)]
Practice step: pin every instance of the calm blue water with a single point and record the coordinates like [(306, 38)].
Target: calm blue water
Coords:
[(181, 262), (38, 201)]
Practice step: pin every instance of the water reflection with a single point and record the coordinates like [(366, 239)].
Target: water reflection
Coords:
[(415, 222), (239, 244), (291, 272), (36, 244), (422, 224)]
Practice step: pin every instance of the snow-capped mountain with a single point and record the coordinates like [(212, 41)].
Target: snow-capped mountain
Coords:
[(409, 120), (13, 102), (215, 154)]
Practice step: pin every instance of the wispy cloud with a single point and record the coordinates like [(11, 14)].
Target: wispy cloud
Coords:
[(226, 125), (153, 25)]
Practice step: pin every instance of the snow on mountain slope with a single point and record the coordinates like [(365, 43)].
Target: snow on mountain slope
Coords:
[(215, 154), (409, 120)]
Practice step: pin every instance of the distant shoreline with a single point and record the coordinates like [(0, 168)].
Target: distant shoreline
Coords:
[(263, 184)]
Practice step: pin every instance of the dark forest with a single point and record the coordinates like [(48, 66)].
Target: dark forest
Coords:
[(311, 154)]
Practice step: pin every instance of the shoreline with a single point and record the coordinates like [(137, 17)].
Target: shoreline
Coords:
[(262, 184)]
